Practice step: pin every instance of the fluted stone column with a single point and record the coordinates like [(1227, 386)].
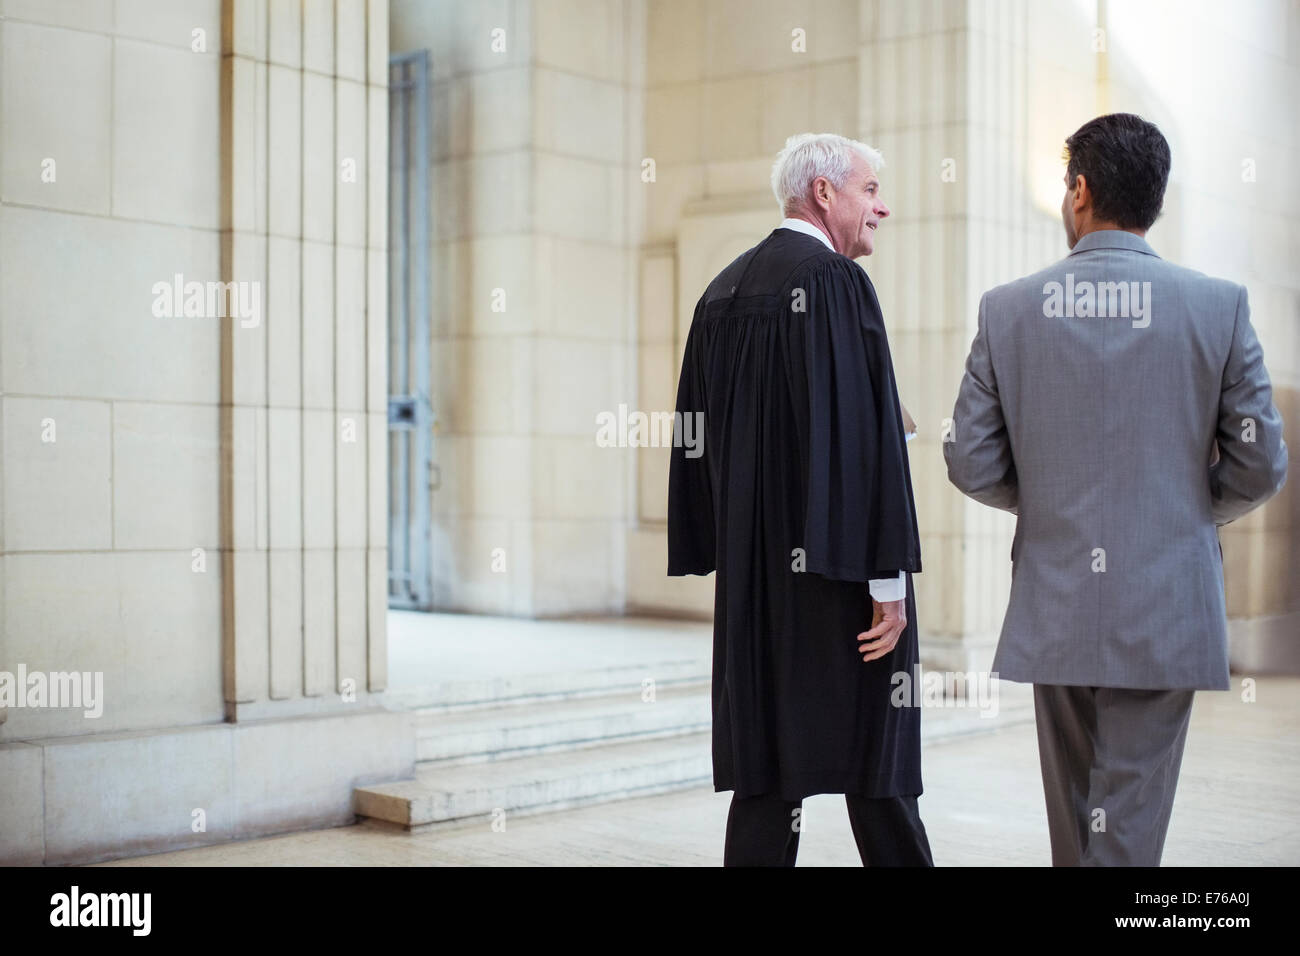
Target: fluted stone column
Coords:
[(304, 432), (953, 94)]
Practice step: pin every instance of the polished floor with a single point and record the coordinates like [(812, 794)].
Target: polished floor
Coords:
[(983, 805)]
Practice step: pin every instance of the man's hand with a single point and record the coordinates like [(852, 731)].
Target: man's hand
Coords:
[(887, 625)]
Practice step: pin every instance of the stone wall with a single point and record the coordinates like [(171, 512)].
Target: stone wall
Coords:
[(192, 505), (535, 218)]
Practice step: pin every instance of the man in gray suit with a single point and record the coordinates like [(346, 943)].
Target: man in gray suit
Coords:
[(1118, 405)]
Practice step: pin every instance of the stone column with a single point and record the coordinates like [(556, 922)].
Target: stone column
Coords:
[(303, 393), (969, 102)]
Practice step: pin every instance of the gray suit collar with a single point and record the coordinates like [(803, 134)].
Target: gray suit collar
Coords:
[(1112, 239)]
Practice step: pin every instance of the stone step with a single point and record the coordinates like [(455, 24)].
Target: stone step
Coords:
[(535, 726), (538, 725), (534, 756), (442, 793), (556, 685)]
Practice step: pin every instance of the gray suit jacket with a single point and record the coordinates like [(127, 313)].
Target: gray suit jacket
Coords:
[(1090, 409)]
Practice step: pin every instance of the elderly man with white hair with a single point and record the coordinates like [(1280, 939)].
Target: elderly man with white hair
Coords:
[(801, 501)]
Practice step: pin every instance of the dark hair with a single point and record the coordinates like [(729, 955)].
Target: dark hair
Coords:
[(1125, 161)]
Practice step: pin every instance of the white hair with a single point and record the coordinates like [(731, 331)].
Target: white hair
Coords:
[(809, 155)]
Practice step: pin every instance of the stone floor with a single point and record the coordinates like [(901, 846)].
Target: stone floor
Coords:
[(453, 658), (983, 805)]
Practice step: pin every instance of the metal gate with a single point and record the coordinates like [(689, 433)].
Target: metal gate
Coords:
[(410, 414)]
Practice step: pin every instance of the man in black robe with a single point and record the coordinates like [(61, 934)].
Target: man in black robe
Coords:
[(800, 497)]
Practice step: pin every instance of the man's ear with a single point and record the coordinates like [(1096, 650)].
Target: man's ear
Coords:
[(822, 192), (1082, 194)]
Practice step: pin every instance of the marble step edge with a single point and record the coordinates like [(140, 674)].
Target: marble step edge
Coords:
[(561, 746), (482, 735), (520, 715), (500, 733), (575, 776), (577, 803), (524, 689), (440, 793)]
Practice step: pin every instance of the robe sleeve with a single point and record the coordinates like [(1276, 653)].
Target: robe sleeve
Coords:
[(691, 528), (860, 521)]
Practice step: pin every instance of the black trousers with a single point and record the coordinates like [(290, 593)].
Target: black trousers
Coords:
[(764, 831)]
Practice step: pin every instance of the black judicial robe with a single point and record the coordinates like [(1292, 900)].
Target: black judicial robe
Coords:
[(802, 493)]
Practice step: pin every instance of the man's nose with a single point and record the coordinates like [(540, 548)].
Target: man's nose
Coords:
[(882, 210)]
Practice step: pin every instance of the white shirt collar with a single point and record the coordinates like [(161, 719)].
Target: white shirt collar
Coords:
[(808, 229)]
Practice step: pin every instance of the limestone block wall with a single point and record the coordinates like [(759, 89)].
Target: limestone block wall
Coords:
[(535, 142), (480, 217), (192, 494), (588, 83), (110, 420)]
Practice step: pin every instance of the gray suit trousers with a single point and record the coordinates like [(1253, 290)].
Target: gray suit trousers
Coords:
[(1110, 759)]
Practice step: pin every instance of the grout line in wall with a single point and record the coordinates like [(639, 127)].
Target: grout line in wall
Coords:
[(302, 336), (216, 230), (114, 34), (170, 403), (112, 469), (333, 331), (266, 354), (366, 385)]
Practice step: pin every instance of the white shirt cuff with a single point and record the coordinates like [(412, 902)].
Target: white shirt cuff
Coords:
[(889, 589)]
